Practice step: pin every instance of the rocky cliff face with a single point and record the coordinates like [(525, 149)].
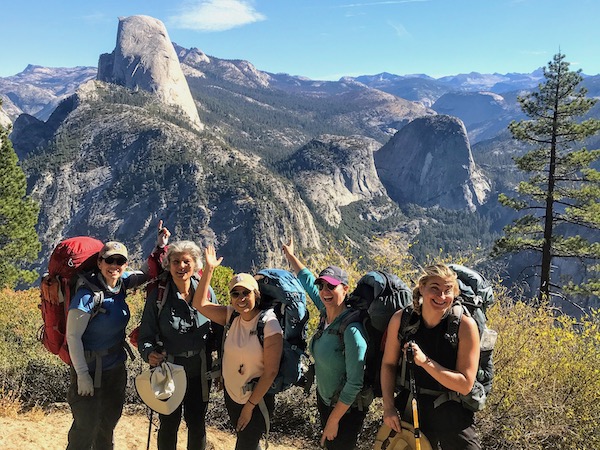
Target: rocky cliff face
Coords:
[(132, 166), (144, 58), (429, 163), (334, 171)]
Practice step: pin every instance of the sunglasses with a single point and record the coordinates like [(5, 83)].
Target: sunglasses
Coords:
[(119, 260), (238, 294), (321, 285)]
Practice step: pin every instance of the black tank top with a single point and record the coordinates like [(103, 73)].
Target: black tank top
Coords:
[(433, 343)]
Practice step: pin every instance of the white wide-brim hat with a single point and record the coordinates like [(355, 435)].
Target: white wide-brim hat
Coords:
[(404, 440), (163, 387)]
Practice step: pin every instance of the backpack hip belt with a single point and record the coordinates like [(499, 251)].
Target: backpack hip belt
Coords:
[(97, 355)]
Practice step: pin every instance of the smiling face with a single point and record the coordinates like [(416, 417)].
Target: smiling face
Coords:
[(438, 293), (181, 266), (112, 268), (242, 299), (331, 295)]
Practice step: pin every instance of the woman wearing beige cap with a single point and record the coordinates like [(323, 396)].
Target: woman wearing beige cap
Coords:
[(98, 315), (249, 365)]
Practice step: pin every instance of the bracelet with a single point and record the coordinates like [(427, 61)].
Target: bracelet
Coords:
[(253, 404)]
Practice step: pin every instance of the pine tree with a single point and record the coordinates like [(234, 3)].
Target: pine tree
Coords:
[(563, 191), (19, 242)]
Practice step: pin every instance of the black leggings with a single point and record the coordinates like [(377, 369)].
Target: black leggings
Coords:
[(349, 428), (194, 411), (249, 437), (95, 416)]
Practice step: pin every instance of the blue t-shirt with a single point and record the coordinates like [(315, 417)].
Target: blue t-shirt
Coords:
[(106, 330)]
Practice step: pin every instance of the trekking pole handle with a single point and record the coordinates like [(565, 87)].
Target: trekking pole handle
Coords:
[(410, 353)]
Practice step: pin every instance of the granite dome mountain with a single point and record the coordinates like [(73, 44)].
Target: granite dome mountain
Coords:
[(268, 156)]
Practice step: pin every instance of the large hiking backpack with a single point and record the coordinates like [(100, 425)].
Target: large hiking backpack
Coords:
[(476, 295), (281, 291), (377, 296), (68, 261)]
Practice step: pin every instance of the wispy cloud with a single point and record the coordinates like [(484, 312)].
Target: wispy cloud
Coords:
[(215, 15), (379, 3), (399, 29)]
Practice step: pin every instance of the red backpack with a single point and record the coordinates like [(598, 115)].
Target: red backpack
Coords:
[(68, 260)]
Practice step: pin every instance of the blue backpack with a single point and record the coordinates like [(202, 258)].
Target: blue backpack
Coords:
[(281, 291)]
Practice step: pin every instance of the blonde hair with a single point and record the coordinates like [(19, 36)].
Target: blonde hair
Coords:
[(435, 270)]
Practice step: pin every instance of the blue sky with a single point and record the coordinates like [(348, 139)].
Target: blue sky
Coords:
[(320, 39)]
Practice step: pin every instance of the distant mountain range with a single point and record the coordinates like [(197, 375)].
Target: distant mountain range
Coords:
[(409, 158)]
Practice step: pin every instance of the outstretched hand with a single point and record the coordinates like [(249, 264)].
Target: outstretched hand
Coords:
[(288, 248), (163, 235), (210, 255)]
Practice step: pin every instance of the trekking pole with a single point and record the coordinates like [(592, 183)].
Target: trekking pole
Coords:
[(149, 429), (410, 358)]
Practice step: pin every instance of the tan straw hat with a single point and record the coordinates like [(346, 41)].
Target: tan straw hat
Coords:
[(163, 387), (390, 440)]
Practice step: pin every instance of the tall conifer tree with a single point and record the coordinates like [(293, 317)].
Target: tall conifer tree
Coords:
[(562, 193), (19, 242)]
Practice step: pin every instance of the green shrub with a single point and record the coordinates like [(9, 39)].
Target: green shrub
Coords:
[(546, 392)]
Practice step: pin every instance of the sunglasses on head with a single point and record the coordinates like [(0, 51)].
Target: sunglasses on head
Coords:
[(322, 284), (237, 294), (120, 260)]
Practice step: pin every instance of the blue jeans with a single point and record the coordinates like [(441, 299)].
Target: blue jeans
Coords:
[(95, 417)]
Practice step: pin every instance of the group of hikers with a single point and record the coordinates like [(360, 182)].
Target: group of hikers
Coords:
[(180, 311)]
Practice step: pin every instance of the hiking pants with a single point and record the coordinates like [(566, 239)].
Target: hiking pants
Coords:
[(194, 412), (95, 417), (349, 428), (449, 426), (249, 437)]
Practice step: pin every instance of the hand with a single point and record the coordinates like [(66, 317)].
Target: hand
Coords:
[(245, 416), (163, 235), (392, 419), (288, 248), (85, 384), (420, 358), (155, 358), (330, 432), (211, 257)]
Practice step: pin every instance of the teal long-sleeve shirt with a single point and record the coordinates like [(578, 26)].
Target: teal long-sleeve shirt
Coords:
[(336, 366)]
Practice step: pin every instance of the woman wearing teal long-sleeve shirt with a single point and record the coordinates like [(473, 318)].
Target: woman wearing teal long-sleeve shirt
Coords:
[(339, 368)]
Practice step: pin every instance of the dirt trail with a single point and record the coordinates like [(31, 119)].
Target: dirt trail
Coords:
[(49, 432)]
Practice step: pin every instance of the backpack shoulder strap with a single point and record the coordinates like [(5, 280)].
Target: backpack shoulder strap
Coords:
[(260, 327), (161, 296), (409, 323), (97, 293), (454, 318)]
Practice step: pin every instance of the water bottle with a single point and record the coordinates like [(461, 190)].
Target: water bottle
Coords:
[(488, 339)]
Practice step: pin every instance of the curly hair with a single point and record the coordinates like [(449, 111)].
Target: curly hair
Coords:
[(180, 247), (435, 270)]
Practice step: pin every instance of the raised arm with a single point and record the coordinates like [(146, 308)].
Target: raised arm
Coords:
[(305, 276), (288, 251), (214, 312)]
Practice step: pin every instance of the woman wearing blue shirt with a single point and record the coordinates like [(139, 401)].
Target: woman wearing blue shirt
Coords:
[(96, 340), (339, 368)]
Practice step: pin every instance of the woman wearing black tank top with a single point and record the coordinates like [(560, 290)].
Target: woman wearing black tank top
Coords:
[(438, 366)]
